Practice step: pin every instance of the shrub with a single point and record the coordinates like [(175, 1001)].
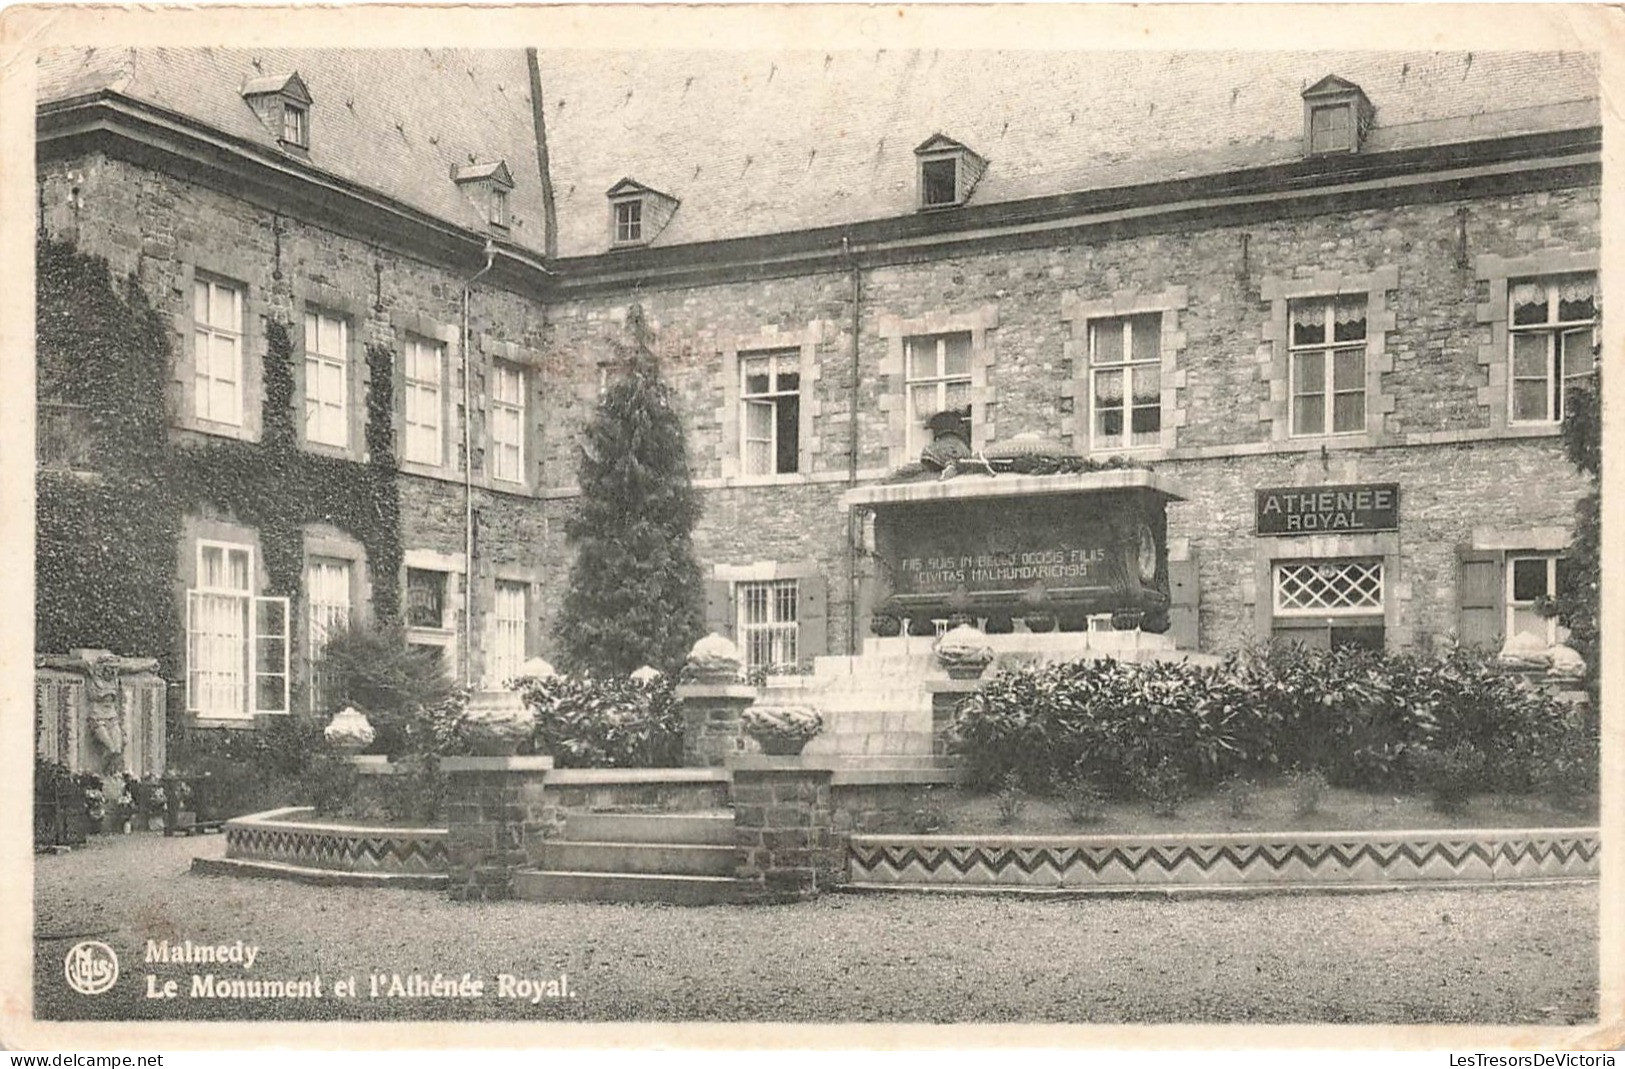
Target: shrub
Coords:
[(584, 722), (1451, 777), (1163, 787), (1239, 793), (1358, 716), (373, 668), (929, 818), (1011, 798), (1308, 787), (1082, 800)]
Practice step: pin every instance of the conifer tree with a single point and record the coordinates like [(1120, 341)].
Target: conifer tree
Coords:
[(635, 592)]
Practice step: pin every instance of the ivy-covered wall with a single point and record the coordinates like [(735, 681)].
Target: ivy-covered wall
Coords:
[(107, 541)]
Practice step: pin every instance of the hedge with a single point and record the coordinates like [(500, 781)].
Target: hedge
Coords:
[(1361, 718)]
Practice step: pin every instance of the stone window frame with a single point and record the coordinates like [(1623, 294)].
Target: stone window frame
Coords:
[(730, 447), (331, 543), (1381, 545), (528, 362), (450, 338), (1275, 361), (316, 297), (183, 375), (893, 373), (486, 588), (1077, 427), (452, 565), (1495, 355)]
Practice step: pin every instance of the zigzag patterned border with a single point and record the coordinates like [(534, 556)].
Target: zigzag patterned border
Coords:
[(345, 849), (1224, 861)]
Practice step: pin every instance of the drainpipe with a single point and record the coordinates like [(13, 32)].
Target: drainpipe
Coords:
[(854, 524), (468, 472)]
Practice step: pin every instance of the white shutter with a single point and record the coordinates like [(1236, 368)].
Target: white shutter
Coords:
[(192, 651), (270, 655)]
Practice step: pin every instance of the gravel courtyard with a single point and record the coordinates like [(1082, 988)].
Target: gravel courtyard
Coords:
[(1483, 956)]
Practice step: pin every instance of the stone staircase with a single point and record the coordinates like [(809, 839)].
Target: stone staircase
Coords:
[(681, 858)]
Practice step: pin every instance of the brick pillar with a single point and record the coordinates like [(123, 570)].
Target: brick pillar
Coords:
[(784, 827), (498, 812), (711, 713)]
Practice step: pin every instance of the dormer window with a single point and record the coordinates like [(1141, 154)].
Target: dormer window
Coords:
[(486, 185), (295, 125), (948, 171), (629, 222), (637, 213), (1336, 117), (282, 104)]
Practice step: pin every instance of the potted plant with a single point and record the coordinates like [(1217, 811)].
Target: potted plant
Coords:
[(887, 621), (781, 730), (964, 652), (959, 605), (1127, 619), (1036, 611), (714, 659)]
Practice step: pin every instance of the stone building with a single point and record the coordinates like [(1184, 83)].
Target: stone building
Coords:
[(1332, 298)]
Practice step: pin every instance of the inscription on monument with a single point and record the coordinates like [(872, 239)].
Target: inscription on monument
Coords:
[(1064, 566)]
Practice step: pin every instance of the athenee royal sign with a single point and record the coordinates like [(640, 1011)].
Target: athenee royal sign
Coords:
[(1328, 509)]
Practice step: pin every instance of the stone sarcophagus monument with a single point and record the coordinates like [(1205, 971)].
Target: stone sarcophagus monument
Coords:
[(97, 712), (1045, 550)]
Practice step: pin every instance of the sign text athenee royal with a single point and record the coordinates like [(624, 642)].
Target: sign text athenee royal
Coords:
[(1328, 509)]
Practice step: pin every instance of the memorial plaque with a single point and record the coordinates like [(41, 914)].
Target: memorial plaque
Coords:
[(1349, 509)]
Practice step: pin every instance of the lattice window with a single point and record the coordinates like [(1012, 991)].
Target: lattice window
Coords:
[(1328, 588), (768, 622), (509, 614)]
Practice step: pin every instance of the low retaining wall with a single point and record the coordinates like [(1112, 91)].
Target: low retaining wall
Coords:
[(1294, 859), (672, 790), (281, 837)]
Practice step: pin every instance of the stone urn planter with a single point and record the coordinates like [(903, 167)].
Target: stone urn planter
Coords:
[(964, 652), (1039, 622), (1127, 619), (713, 659), (349, 732), (496, 722), (781, 730)]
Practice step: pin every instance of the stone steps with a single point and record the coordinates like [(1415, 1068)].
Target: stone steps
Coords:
[(648, 859), (538, 885), (714, 828)]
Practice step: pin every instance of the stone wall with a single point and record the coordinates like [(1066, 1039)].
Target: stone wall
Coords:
[(1456, 471), (187, 230)]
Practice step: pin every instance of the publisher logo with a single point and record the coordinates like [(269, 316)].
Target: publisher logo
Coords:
[(91, 967)]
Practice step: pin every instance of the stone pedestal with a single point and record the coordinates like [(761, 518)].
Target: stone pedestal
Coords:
[(946, 694), (711, 713), (498, 813), (784, 827)]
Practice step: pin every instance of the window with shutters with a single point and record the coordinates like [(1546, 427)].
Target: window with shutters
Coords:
[(1531, 586), (236, 643), (1553, 336), (424, 402), (327, 362), (327, 599), (770, 418), (1327, 356), (1125, 382), (217, 351), (938, 369), (768, 616)]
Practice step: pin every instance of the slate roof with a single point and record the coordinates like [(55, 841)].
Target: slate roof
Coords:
[(755, 142), (761, 142), (396, 120)]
